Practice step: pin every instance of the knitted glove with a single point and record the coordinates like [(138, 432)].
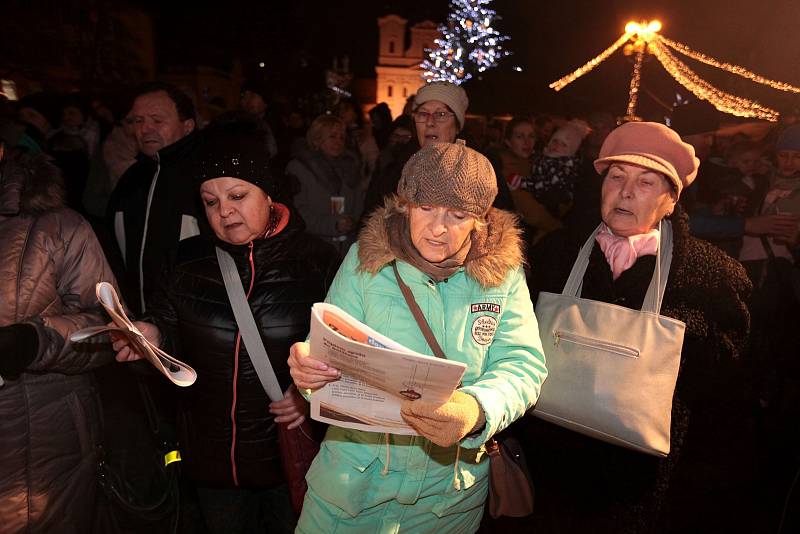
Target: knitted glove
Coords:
[(19, 344), (444, 424)]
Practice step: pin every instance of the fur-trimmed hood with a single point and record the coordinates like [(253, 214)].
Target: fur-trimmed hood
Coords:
[(30, 184), (503, 241)]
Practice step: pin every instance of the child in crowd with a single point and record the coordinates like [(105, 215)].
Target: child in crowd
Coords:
[(555, 171)]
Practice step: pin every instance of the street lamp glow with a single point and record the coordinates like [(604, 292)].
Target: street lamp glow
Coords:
[(632, 27)]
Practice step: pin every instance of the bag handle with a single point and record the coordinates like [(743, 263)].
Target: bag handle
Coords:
[(655, 292), (417, 313), (247, 326)]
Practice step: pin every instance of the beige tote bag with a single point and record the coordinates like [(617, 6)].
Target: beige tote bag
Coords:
[(611, 370)]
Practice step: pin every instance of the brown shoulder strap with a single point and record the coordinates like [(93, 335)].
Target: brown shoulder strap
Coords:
[(417, 313)]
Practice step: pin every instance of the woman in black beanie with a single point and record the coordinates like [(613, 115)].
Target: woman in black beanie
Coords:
[(227, 424)]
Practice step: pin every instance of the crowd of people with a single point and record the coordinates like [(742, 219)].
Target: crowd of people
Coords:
[(350, 208)]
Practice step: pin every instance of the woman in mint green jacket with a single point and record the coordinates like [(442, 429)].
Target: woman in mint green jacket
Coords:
[(462, 260)]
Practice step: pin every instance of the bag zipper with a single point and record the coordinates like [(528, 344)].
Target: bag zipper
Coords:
[(584, 341)]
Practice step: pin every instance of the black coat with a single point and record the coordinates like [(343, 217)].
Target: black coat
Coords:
[(174, 199), (292, 271), (588, 485)]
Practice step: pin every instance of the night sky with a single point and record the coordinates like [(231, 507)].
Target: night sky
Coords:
[(549, 39), (298, 39)]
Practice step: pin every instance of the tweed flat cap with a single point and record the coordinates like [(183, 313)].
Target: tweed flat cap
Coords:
[(449, 175)]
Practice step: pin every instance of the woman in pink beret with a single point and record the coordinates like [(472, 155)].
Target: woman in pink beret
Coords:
[(587, 485)]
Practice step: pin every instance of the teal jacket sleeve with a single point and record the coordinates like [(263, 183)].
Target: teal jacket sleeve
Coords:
[(515, 367), (347, 291)]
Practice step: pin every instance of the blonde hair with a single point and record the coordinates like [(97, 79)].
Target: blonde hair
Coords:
[(321, 124), (397, 204)]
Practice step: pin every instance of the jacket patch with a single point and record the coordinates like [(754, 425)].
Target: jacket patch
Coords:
[(484, 307), (483, 329)]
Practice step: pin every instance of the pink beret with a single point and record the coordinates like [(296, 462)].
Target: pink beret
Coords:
[(653, 146)]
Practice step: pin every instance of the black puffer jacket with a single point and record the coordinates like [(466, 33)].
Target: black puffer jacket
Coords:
[(588, 485), (225, 424)]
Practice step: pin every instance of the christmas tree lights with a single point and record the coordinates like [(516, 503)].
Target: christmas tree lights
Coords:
[(643, 38), (469, 44)]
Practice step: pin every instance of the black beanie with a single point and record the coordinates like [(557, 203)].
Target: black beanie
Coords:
[(236, 151)]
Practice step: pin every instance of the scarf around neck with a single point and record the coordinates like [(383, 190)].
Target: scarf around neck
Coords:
[(622, 252), (403, 248)]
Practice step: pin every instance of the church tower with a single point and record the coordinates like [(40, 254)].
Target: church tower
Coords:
[(398, 72)]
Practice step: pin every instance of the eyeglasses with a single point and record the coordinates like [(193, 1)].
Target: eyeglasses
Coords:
[(438, 116)]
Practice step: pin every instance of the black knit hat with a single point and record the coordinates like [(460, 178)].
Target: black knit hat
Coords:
[(236, 151)]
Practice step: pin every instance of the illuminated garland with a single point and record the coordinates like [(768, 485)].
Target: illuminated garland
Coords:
[(645, 39), (633, 92), (725, 102), (734, 69), (577, 73)]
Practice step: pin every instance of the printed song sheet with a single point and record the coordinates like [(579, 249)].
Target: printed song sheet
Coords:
[(174, 369), (378, 374)]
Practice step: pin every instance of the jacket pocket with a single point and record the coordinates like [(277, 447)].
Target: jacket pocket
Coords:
[(346, 475), (560, 336)]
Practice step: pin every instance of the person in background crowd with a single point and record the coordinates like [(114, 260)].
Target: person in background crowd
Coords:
[(601, 123), (152, 207), (772, 263), (736, 191), (439, 111), (516, 159), (227, 424), (104, 116), (49, 411), (493, 138), (545, 128), (697, 123), (555, 171), (330, 196), (380, 117), (359, 140), (120, 148), (254, 98), (39, 113), (73, 145), (452, 248), (731, 199), (518, 148), (402, 133), (587, 485)]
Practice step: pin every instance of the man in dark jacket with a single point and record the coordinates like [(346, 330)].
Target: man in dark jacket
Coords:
[(153, 206)]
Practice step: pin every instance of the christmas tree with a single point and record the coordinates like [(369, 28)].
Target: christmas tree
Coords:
[(469, 44)]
